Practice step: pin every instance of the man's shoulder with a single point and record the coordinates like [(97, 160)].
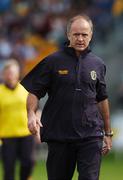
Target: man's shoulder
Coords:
[(97, 59), (51, 58), (21, 88), (3, 89), (56, 54)]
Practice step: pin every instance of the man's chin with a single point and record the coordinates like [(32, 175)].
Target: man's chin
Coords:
[(80, 49)]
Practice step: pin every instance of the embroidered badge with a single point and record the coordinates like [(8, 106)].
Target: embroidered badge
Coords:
[(93, 75), (63, 72)]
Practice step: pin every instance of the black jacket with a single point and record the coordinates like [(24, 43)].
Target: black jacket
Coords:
[(74, 86)]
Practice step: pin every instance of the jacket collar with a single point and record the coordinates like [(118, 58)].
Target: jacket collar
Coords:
[(71, 51)]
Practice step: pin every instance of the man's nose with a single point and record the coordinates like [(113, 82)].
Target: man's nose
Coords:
[(80, 37)]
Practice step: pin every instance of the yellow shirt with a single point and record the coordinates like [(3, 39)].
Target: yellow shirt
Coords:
[(13, 115)]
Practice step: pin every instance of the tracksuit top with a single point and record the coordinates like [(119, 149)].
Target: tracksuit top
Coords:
[(75, 86)]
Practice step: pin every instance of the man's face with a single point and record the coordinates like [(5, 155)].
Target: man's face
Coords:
[(80, 35), (11, 76)]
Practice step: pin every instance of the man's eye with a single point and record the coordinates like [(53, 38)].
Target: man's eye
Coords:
[(76, 34), (85, 35)]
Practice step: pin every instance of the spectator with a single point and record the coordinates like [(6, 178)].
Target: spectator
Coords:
[(17, 142)]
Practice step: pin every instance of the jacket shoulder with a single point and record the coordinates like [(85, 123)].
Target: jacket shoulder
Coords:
[(56, 54), (51, 57), (98, 60)]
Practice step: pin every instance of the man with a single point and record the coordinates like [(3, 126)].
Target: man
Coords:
[(76, 114), (17, 142)]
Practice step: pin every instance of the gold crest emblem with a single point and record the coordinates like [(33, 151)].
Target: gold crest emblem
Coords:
[(93, 75)]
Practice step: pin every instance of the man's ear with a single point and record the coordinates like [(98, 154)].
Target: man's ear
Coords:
[(68, 36), (91, 36)]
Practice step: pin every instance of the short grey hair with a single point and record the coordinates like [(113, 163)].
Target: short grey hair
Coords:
[(81, 16), (11, 62)]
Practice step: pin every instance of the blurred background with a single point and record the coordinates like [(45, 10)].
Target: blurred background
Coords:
[(32, 29)]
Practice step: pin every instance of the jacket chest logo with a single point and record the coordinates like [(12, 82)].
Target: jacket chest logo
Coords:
[(93, 75), (63, 72)]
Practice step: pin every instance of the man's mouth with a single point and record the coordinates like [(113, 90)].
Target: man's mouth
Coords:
[(80, 45)]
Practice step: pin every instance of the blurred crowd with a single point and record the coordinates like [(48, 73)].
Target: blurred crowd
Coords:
[(30, 29)]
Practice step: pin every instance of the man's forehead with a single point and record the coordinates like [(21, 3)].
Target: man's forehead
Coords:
[(81, 26), (80, 23)]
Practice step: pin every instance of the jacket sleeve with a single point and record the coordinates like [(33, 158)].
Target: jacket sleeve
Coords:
[(101, 85), (37, 81)]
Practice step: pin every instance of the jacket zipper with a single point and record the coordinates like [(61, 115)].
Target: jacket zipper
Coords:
[(78, 87)]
